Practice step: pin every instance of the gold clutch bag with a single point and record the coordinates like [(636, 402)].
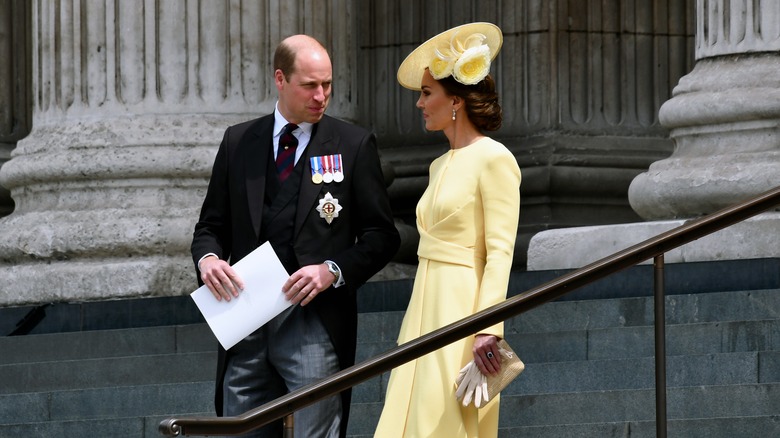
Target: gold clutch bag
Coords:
[(471, 384), (511, 367)]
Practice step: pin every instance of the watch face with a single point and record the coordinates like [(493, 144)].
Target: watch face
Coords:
[(334, 271)]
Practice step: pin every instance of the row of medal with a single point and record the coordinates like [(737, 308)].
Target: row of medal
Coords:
[(326, 169)]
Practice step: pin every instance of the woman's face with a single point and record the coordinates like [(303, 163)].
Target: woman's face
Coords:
[(435, 104)]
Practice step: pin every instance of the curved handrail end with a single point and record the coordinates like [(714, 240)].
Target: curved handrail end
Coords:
[(169, 427)]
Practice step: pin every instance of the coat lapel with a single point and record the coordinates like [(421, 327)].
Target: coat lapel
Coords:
[(257, 143)]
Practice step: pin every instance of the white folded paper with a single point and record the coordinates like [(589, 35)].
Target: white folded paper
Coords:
[(260, 301)]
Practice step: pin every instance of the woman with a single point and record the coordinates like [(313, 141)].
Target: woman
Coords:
[(467, 219)]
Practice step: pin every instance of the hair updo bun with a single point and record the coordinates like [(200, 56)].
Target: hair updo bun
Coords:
[(480, 101)]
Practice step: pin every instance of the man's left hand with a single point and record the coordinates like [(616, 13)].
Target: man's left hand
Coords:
[(306, 283)]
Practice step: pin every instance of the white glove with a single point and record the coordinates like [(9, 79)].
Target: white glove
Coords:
[(472, 384), (461, 375), (482, 392), (464, 382)]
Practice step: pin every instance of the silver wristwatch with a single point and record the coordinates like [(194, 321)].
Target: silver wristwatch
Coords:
[(333, 270)]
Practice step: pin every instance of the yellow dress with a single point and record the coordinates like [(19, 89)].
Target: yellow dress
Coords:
[(467, 219)]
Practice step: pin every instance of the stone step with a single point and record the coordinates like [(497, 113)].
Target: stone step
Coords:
[(133, 427), (579, 355), (639, 405), (382, 296), (560, 316), (569, 320), (639, 373), (126, 427), (107, 368), (764, 426), (624, 374), (733, 407), (574, 374), (604, 347), (99, 315), (107, 372), (572, 412), (107, 343), (565, 316), (595, 343), (628, 342), (109, 402)]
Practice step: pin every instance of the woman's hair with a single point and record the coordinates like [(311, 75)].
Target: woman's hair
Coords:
[(480, 101)]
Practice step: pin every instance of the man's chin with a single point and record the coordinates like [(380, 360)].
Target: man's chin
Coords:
[(315, 117)]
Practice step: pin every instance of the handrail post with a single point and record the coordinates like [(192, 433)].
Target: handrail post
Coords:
[(289, 426), (660, 347)]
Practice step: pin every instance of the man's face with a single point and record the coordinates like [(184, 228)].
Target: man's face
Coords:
[(305, 94)]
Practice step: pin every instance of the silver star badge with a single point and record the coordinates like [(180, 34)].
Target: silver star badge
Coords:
[(329, 208)]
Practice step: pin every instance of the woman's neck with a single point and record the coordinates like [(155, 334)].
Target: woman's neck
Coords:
[(461, 135)]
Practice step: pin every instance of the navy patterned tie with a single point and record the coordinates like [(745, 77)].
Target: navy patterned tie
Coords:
[(285, 157)]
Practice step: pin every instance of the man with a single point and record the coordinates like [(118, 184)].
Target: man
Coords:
[(329, 222)]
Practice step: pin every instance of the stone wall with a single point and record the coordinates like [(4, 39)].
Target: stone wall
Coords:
[(581, 83), (131, 99)]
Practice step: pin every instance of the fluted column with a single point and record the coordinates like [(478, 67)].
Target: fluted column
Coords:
[(724, 116), (15, 114), (131, 100), (723, 119)]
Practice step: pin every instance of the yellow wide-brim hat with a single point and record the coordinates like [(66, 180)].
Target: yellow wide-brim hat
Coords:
[(411, 71)]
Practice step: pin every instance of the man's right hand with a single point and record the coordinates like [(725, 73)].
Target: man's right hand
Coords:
[(220, 278)]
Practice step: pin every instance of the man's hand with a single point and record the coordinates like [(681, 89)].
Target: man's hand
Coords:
[(305, 283), (220, 278)]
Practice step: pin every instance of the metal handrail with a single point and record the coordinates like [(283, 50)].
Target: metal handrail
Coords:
[(516, 305)]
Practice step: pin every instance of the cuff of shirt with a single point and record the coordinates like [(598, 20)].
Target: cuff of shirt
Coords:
[(201, 259)]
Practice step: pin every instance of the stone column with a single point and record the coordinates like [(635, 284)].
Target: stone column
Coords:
[(15, 114), (131, 100), (723, 118)]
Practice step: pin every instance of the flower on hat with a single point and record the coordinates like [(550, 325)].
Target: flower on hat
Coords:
[(440, 66), (468, 61), (472, 66)]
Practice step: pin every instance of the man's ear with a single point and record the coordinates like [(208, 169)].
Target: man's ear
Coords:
[(279, 78)]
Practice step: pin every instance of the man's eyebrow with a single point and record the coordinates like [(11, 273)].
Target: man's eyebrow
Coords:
[(315, 82)]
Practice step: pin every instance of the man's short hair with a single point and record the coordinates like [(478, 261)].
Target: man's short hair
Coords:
[(284, 57)]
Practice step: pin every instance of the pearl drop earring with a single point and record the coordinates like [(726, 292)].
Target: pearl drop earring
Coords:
[(453, 114)]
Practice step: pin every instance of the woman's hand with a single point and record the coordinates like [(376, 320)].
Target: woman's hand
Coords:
[(486, 355)]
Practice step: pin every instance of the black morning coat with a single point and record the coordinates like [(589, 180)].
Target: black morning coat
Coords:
[(361, 240)]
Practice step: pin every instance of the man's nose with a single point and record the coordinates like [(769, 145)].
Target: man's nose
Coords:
[(319, 94)]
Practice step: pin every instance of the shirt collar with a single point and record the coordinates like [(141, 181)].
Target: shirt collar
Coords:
[(280, 122)]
